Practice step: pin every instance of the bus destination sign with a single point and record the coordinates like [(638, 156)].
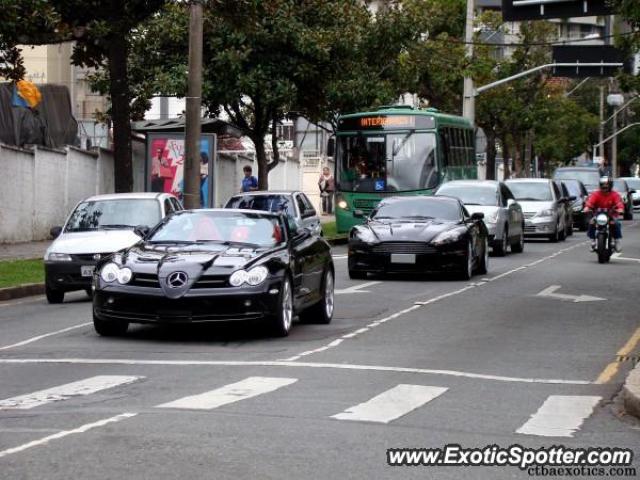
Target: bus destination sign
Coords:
[(387, 122)]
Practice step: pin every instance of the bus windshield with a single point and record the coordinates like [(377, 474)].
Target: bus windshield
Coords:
[(386, 162)]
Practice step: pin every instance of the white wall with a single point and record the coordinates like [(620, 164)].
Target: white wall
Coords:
[(42, 186)]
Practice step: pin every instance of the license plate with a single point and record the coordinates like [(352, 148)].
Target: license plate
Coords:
[(87, 270), (403, 258)]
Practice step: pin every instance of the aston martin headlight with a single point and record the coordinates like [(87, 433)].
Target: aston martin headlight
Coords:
[(257, 275), (545, 213), (58, 257), (109, 272), (602, 219), (449, 236), (124, 275)]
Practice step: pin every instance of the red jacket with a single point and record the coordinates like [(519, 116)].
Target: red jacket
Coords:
[(605, 200)]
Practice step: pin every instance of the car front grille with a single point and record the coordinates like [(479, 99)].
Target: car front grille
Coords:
[(529, 214), (150, 280), (419, 248), (87, 257)]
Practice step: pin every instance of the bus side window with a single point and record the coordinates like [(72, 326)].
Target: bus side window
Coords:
[(444, 148)]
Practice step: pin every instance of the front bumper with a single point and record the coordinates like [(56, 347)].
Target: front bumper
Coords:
[(67, 276), (542, 226), (150, 305), (373, 259)]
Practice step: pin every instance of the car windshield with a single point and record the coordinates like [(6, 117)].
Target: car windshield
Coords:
[(471, 194), (386, 162), (531, 191), (620, 186), (417, 209), (230, 227), (270, 203), (114, 214), (633, 183), (574, 188), (588, 177)]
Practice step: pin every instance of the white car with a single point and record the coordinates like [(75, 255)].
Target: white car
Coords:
[(99, 226)]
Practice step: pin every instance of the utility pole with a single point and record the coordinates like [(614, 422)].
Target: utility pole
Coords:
[(601, 127), (191, 192), (469, 99), (614, 144)]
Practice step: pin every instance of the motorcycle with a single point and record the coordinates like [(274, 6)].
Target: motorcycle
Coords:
[(605, 243)]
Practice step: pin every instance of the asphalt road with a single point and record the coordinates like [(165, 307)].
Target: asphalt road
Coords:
[(508, 358)]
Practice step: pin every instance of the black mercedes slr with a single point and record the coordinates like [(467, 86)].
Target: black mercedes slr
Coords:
[(201, 266), (419, 234)]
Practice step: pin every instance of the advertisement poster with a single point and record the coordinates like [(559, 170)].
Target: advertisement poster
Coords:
[(165, 165)]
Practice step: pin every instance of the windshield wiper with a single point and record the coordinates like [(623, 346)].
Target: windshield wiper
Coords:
[(426, 217), (402, 142), (177, 242), (114, 226)]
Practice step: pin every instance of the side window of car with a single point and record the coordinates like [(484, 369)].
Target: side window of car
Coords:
[(311, 211), (556, 191), (506, 193), (301, 206), (168, 207), (176, 204)]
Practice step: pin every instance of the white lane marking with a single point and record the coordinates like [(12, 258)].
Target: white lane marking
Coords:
[(277, 363), (64, 392), (234, 392), (618, 256), (356, 288), (420, 304), (560, 416), (392, 404), (550, 292), (55, 436), (40, 337)]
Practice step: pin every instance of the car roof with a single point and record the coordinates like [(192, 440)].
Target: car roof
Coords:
[(266, 213), (487, 183), (267, 192), (416, 198), (590, 169), (529, 180), (126, 196)]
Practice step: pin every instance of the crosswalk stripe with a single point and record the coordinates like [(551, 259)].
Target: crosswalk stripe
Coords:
[(560, 416), (234, 392), (63, 392), (392, 404)]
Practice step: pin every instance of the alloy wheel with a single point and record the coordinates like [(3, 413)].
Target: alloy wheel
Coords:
[(287, 306), (329, 294)]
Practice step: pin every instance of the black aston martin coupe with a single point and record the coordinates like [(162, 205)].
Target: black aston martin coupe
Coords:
[(216, 265), (419, 234)]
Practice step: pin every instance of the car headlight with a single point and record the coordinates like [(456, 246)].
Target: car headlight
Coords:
[(602, 219), (124, 275), (58, 257), (545, 213), (253, 277), (364, 235), (449, 236), (109, 272), (343, 204)]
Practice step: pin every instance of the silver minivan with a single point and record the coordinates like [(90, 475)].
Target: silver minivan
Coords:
[(543, 206), (503, 215)]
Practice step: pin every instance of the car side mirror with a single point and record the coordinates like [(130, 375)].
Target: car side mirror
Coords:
[(55, 231), (358, 213), (477, 216), (573, 198), (142, 231), (632, 191)]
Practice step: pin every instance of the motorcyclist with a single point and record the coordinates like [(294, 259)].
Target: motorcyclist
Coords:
[(608, 199)]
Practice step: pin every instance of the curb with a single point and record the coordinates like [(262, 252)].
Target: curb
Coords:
[(631, 392), (20, 291)]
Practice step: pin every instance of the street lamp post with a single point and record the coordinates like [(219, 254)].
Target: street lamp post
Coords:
[(191, 187), (469, 99)]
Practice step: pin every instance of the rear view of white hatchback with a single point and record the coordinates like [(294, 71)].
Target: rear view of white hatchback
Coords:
[(99, 226)]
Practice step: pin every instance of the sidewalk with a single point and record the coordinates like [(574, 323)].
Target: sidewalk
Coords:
[(327, 218), (13, 251)]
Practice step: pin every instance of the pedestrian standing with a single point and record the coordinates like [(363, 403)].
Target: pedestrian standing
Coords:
[(327, 186), (249, 182)]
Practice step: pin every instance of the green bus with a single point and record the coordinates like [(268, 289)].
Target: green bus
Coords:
[(397, 150)]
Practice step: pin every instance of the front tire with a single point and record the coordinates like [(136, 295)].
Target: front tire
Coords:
[(500, 249), (283, 318), (322, 312), (483, 261), (53, 296), (602, 249), (109, 328), (555, 236), (518, 247), (467, 270)]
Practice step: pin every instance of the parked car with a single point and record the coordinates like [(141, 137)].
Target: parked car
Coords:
[(295, 204), (567, 202), (634, 184), (419, 234), (579, 191), (543, 207), (200, 266), (626, 193), (589, 176), (98, 227), (503, 216)]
